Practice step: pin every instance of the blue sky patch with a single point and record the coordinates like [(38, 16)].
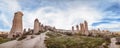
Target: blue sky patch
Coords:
[(62, 12)]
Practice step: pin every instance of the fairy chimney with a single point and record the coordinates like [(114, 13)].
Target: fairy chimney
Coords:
[(77, 27), (99, 29), (40, 27), (86, 26), (82, 27), (24, 30), (72, 28), (36, 26), (17, 26)]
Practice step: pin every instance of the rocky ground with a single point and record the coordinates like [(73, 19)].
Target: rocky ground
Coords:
[(37, 42)]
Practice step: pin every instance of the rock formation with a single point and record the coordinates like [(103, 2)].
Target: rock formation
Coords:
[(36, 26), (77, 28), (72, 28), (17, 27), (49, 28), (98, 29), (40, 27), (82, 27), (86, 26), (29, 29), (24, 30)]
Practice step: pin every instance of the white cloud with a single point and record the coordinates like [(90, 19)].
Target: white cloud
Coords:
[(76, 13), (10, 5), (113, 26), (62, 19), (7, 9), (4, 19)]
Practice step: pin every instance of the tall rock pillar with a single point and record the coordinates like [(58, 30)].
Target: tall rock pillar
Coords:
[(36, 26), (82, 27), (77, 28), (17, 27), (73, 28), (86, 26), (40, 27)]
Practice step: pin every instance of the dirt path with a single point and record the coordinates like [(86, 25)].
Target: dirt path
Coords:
[(9, 44), (40, 42), (37, 42), (113, 45)]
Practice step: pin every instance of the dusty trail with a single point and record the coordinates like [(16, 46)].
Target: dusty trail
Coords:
[(112, 44), (37, 42)]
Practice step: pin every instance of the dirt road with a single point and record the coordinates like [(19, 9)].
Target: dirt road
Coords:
[(37, 42)]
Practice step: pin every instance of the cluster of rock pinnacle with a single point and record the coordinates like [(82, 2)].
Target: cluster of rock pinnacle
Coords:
[(17, 27)]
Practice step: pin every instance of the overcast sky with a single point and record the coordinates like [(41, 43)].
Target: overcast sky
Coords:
[(103, 14)]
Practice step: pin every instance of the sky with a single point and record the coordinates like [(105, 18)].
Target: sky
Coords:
[(63, 14)]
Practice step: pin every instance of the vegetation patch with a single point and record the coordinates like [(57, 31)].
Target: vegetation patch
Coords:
[(57, 40), (53, 34), (3, 40)]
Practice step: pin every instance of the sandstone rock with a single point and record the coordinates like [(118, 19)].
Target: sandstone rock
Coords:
[(36, 26), (72, 28), (24, 30), (77, 28), (40, 27), (17, 27), (86, 26), (82, 27)]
